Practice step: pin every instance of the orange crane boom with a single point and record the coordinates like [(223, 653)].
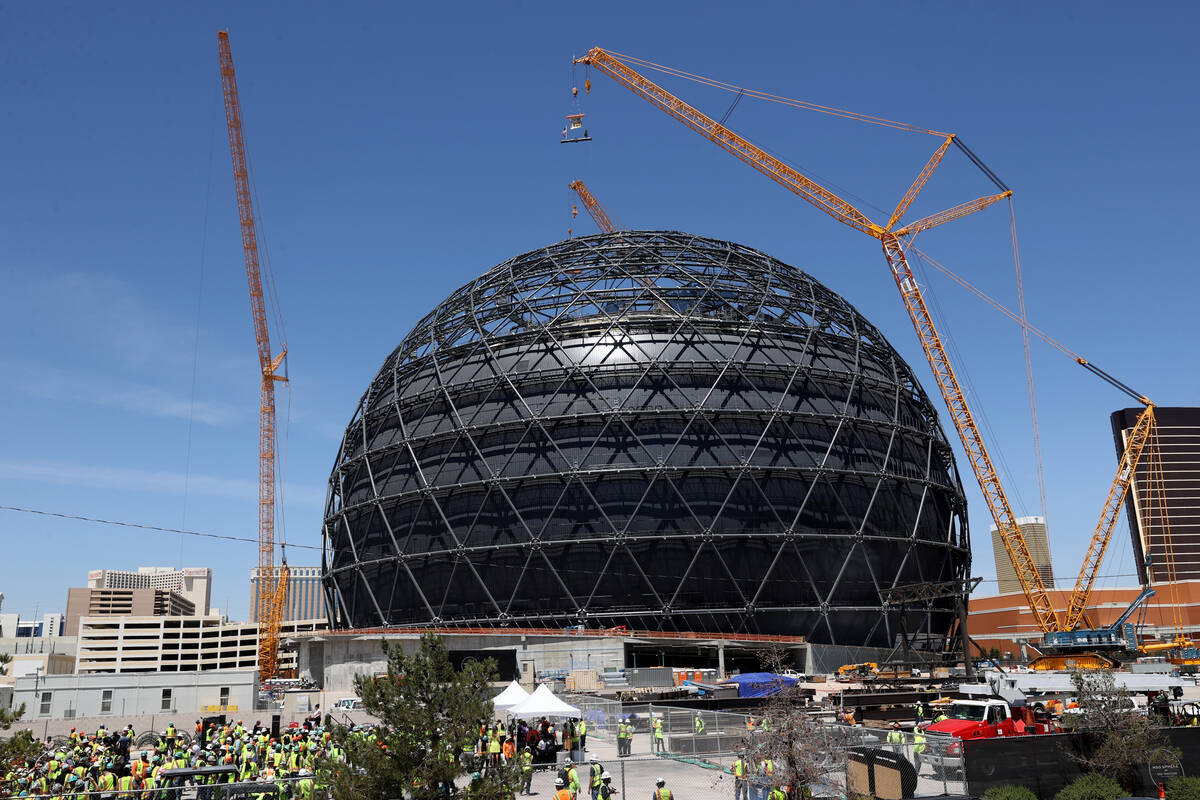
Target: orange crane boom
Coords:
[(893, 247), (272, 584), (894, 243), (603, 220), (1081, 594)]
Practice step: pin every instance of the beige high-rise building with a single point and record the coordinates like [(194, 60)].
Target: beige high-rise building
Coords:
[(194, 583), (1034, 531)]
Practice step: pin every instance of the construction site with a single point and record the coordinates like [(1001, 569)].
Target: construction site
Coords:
[(682, 483)]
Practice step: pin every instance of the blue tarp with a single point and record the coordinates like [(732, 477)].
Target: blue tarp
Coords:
[(761, 684)]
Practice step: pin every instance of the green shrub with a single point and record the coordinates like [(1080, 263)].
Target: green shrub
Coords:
[(1011, 792), (1091, 787), (1183, 789)]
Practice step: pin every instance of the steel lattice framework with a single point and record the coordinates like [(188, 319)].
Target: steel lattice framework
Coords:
[(651, 429)]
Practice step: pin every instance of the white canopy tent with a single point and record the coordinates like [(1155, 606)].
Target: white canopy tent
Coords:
[(543, 703), (511, 696)]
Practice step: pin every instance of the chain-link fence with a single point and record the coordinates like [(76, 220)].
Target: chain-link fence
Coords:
[(701, 747)]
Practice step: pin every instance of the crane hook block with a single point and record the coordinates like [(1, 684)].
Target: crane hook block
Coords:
[(574, 91), (587, 85)]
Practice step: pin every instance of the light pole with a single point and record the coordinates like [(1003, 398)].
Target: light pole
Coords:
[(37, 679)]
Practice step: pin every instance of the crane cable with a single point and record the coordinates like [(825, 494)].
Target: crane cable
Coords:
[(775, 98), (1037, 438)]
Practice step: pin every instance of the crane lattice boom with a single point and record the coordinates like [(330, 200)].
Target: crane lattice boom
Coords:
[(1082, 592), (893, 247), (272, 590), (603, 220)]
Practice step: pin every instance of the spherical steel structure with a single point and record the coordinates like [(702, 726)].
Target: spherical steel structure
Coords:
[(649, 429)]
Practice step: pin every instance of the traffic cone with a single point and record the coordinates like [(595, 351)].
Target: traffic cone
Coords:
[(1162, 792)]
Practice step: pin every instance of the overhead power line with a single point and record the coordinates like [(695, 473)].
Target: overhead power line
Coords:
[(155, 528)]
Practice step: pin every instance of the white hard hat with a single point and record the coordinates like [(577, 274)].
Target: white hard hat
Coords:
[(558, 781), (659, 781)]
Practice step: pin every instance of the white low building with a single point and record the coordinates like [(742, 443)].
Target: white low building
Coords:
[(136, 694)]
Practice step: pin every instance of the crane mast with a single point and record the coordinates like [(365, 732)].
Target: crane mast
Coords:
[(272, 582), (893, 247)]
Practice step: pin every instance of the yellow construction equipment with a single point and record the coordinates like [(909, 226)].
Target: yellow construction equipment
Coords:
[(272, 582)]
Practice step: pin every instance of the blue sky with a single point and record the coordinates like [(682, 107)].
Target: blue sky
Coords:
[(399, 150)]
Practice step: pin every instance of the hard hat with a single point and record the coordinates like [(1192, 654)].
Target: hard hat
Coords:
[(659, 781), (605, 776), (558, 782)]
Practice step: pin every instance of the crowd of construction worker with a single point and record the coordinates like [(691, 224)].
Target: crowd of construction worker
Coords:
[(108, 764), (755, 779)]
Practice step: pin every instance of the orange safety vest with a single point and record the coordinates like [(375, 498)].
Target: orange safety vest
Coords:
[(510, 749), (562, 794)]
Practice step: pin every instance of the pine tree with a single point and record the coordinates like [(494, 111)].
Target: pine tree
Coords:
[(429, 715)]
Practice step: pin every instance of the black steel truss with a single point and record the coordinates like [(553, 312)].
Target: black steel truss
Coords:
[(649, 429)]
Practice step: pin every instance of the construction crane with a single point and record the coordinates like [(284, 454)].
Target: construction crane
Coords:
[(895, 238), (272, 581), (592, 206)]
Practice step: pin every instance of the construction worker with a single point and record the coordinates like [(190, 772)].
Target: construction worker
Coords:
[(171, 736), (895, 738), (750, 724), (656, 726), (127, 785), (606, 790), (595, 777), (560, 790), (941, 715), (777, 793), (661, 792), (698, 724), (494, 749), (304, 786), (572, 779), (919, 747), (527, 770), (622, 741), (141, 768), (106, 784), (765, 774), (741, 779), (581, 731)]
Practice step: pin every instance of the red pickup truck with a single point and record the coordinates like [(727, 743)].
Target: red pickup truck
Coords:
[(975, 719)]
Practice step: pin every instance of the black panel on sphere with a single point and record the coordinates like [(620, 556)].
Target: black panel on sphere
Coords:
[(649, 429)]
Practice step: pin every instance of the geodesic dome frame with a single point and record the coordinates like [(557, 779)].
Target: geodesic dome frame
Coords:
[(650, 429)]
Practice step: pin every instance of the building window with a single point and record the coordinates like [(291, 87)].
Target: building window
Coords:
[(166, 700), (224, 695), (45, 703), (106, 701)]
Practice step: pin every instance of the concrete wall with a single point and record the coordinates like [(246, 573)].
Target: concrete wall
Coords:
[(332, 662), (134, 694), (13, 645), (29, 663)]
